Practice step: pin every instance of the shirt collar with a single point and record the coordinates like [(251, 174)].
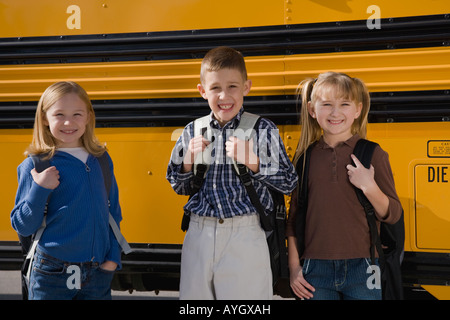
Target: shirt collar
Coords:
[(351, 142), (232, 124)]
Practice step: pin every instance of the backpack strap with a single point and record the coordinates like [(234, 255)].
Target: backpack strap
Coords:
[(269, 223), (40, 164), (202, 159), (104, 164), (247, 123), (243, 131), (363, 151), (302, 168), (200, 166)]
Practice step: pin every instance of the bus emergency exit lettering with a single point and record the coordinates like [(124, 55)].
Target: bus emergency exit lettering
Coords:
[(437, 174)]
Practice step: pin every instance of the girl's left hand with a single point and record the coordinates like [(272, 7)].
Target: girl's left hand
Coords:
[(109, 265), (360, 176)]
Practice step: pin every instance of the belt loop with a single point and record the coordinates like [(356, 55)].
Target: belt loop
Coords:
[(200, 222), (232, 221)]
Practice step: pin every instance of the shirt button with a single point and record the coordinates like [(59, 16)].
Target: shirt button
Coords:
[(220, 221)]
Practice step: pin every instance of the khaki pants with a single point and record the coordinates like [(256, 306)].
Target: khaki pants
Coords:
[(225, 259)]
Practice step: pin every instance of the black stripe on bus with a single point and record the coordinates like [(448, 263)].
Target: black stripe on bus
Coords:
[(395, 33), (425, 268), (415, 106)]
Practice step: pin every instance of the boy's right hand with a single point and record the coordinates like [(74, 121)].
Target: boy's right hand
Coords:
[(48, 179), (196, 145)]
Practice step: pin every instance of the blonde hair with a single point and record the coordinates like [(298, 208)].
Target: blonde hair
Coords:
[(43, 141), (223, 58), (340, 85)]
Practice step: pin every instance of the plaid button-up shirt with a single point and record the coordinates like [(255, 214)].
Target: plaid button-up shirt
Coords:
[(222, 194)]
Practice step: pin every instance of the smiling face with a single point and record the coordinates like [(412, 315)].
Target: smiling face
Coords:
[(225, 90), (335, 116), (67, 119)]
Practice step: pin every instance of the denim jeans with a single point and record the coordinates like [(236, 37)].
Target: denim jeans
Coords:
[(53, 279), (341, 279)]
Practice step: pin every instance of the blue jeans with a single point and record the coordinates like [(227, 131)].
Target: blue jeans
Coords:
[(53, 279), (341, 279)]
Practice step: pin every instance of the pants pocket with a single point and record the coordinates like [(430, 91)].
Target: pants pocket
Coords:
[(48, 266)]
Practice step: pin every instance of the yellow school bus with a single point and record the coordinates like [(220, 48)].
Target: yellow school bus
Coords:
[(140, 63)]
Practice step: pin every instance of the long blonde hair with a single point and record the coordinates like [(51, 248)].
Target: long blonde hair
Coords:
[(43, 140), (343, 86)]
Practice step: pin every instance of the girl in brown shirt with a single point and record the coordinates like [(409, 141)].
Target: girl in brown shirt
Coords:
[(337, 241)]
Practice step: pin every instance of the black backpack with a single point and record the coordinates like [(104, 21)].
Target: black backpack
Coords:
[(29, 243), (273, 223), (389, 243)]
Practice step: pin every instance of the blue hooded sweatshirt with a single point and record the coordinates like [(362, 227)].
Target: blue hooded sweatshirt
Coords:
[(78, 215)]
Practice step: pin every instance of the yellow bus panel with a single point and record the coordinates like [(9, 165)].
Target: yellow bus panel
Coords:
[(63, 17), (384, 70)]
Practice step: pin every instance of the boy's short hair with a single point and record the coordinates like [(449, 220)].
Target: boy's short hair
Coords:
[(223, 58)]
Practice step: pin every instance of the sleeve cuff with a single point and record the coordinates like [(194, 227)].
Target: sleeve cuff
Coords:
[(37, 196)]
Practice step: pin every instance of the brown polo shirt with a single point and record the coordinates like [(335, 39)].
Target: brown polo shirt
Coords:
[(336, 225)]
